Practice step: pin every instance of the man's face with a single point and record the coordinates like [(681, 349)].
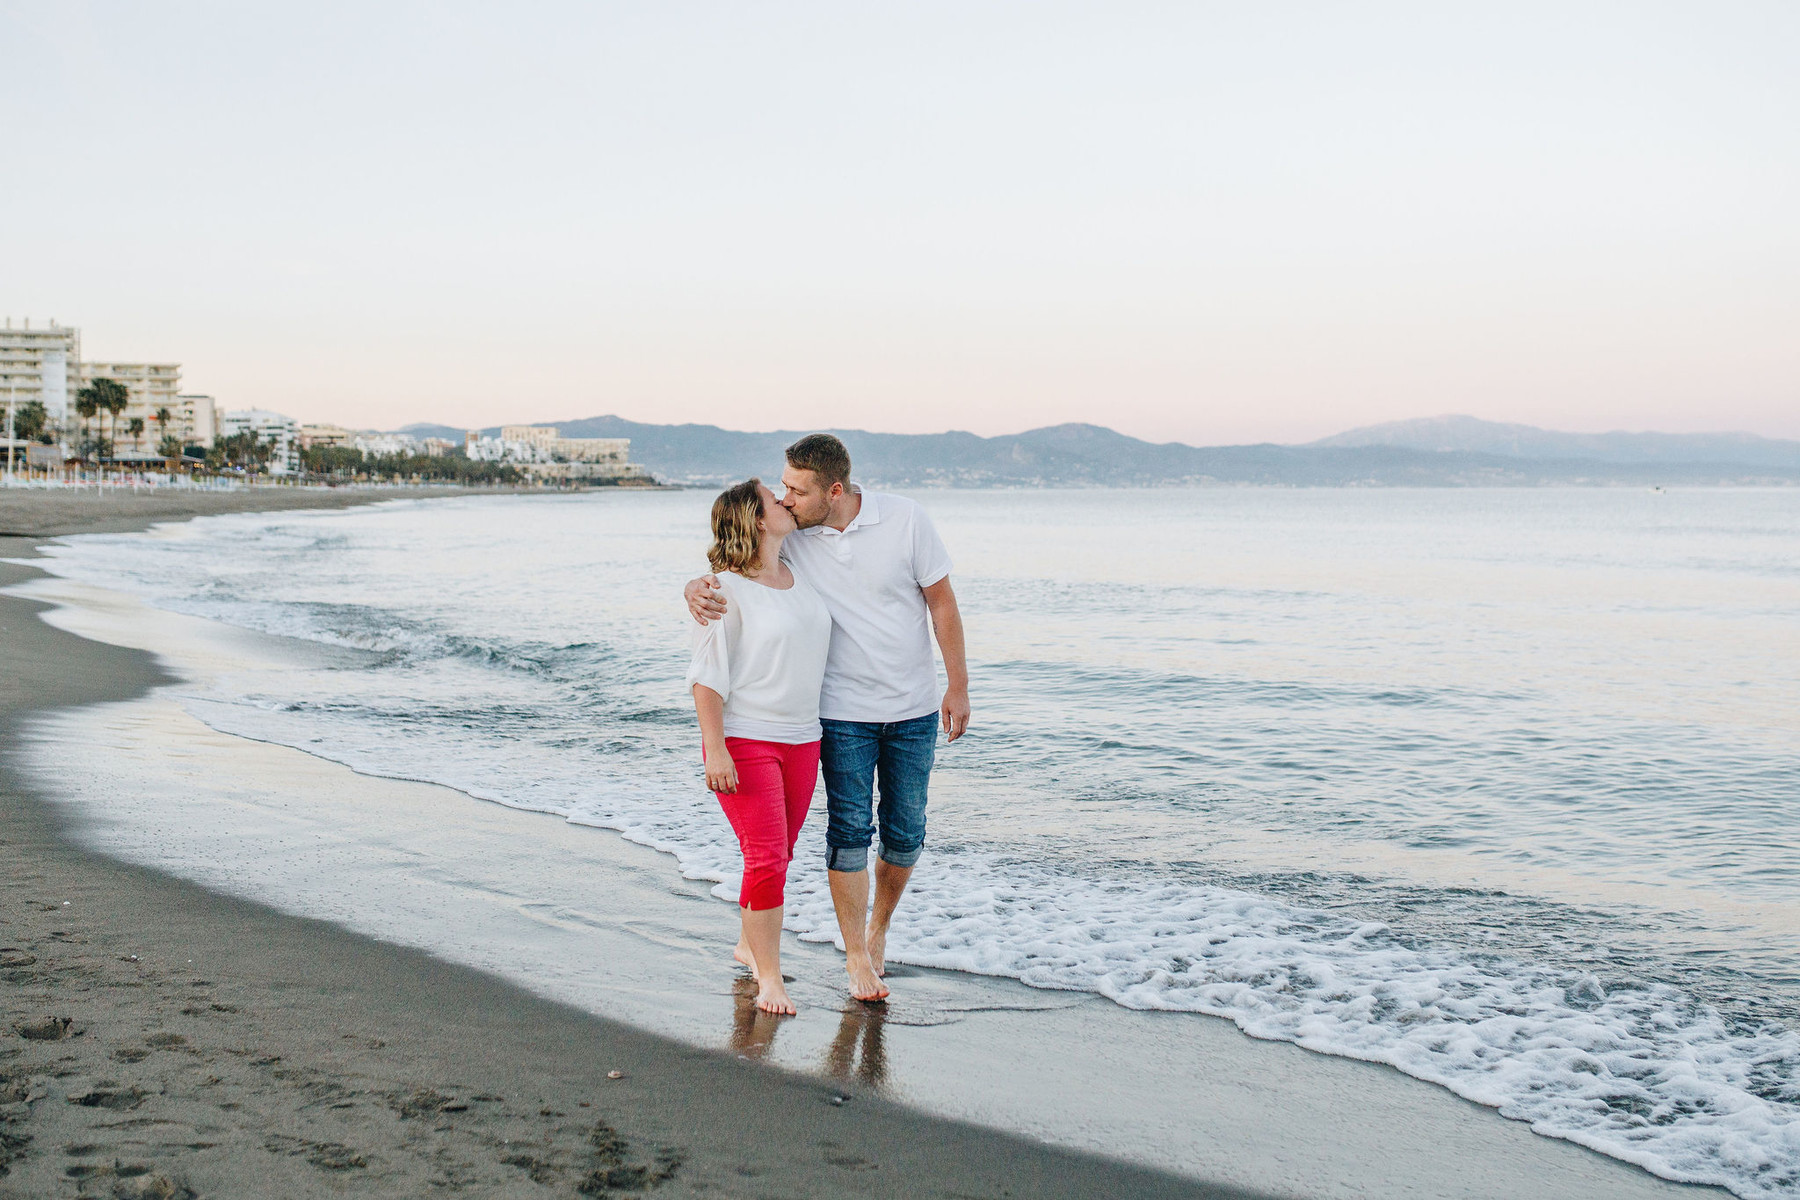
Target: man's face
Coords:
[(809, 502)]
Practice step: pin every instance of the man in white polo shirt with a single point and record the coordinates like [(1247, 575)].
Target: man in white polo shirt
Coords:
[(885, 575)]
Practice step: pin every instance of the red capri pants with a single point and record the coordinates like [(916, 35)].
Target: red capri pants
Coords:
[(775, 787)]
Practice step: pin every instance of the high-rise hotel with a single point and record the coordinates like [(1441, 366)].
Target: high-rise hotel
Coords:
[(40, 364), (45, 364)]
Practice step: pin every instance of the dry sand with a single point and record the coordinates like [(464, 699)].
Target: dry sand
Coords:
[(160, 1040)]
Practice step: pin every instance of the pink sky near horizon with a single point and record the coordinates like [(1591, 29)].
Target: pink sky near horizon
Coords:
[(1199, 223)]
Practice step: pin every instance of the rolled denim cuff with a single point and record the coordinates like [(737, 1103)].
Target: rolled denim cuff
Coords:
[(850, 859), (900, 858)]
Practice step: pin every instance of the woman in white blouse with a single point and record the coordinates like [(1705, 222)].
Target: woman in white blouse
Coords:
[(755, 680)]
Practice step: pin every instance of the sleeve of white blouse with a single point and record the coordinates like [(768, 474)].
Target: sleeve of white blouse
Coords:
[(712, 655)]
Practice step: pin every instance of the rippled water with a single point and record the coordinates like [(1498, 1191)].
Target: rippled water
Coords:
[(1501, 787)]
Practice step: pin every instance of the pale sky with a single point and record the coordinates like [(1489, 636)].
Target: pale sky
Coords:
[(1189, 221)]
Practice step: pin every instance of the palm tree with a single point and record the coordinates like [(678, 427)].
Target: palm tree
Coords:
[(30, 419), (116, 401), (102, 394), (135, 427), (86, 405), (162, 417)]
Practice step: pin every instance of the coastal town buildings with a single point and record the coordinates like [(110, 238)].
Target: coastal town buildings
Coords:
[(531, 435), (43, 363), (385, 445), (324, 436), (549, 440), (151, 386), (541, 452), (283, 431), (504, 449), (189, 418), (36, 364), (155, 399), (372, 443), (196, 419)]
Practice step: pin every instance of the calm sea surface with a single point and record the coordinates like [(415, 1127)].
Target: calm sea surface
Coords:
[(1500, 787)]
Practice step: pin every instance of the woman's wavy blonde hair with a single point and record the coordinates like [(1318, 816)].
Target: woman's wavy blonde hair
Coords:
[(737, 542)]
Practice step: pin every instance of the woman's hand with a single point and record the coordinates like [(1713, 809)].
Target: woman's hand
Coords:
[(721, 772)]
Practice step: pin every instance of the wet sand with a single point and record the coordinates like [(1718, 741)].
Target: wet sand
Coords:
[(159, 1039)]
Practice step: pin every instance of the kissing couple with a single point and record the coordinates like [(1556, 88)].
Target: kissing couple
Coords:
[(816, 656)]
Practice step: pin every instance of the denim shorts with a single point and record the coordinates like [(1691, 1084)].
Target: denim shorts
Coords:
[(853, 755)]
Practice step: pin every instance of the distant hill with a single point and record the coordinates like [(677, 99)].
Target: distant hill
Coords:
[(1471, 435), (425, 429), (1093, 456), (1439, 452)]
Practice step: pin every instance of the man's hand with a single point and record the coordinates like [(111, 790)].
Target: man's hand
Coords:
[(704, 599), (946, 622), (955, 713)]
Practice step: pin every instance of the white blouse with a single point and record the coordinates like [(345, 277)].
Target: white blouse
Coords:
[(766, 659)]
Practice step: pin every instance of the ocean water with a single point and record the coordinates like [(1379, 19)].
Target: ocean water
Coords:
[(1499, 787)]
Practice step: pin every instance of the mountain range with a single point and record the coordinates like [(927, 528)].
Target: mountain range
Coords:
[(1439, 451), (1450, 434)]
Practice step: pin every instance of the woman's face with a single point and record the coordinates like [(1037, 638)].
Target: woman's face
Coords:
[(775, 518)]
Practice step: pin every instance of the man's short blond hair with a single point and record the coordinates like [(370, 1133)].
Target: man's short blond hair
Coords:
[(824, 456)]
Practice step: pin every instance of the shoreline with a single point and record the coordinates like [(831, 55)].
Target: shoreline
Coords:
[(161, 1039), (1450, 1140), (35, 512)]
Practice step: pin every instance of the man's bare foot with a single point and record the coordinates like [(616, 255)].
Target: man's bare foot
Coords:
[(876, 940), (864, 983), (772, 997), (743, 955)]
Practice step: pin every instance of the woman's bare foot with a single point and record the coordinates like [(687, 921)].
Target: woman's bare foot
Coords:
[(772, 997), (864, 983), (743, 955)]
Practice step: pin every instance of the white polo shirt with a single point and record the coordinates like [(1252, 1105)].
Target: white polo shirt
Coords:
[(880, 666)]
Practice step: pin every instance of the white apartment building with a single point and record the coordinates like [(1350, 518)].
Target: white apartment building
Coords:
[(45, 364), (561, 449), (193, 419), (150, 385), (151, 388), (37, 364), (197, 419), (268, 426), (386, 445), (542, 453), (323, 435), (503, 449), (531, 435)]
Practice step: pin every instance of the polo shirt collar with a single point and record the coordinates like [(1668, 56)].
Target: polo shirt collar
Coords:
[(868, 514)]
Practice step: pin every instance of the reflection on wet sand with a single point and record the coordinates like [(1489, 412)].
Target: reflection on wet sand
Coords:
[(752, 1029), (857, 1052)]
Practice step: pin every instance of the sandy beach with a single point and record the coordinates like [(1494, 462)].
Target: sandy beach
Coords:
[(167, 1039), (43, 513), (162, 1040)]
